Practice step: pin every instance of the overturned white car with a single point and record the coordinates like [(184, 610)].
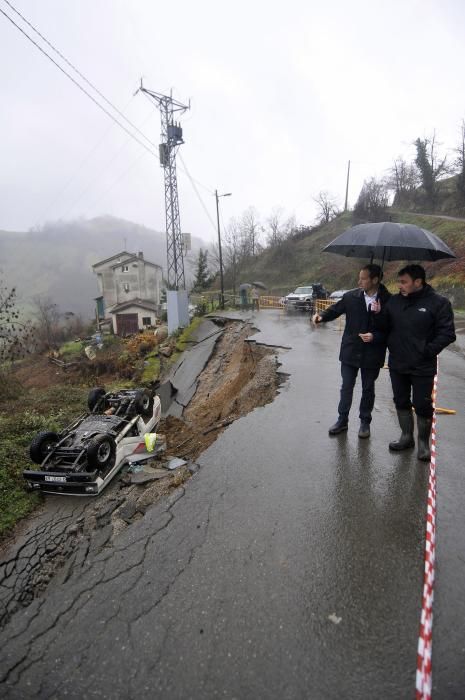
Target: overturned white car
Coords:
[(84, 457)]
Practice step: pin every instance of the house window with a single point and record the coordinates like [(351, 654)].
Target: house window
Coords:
[(125, 268), (126, 287), (146, 321)]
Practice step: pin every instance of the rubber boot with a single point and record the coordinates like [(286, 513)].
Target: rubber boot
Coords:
[(405, 417), (424, 432)]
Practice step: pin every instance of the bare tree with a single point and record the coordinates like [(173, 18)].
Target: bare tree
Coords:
[(373, 200), (278, 228), (74, 325), (274, 227), (403, 178), (231, 250), (250, 231), (16, 334), (48, 317), (460, 162), (431, 166), (327, 207)]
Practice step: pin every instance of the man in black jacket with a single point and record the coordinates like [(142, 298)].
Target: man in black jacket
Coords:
[(362, 347), (419, 323)]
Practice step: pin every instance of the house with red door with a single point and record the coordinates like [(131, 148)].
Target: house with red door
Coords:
[(130, 292)]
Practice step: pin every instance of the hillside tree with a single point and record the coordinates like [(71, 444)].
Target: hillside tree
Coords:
[(403, 179), (431, 166), (231, 250), (327, 205), (202, 278), (47, 314), (373, 200), (250, 228), (460, 162), (278, 229)]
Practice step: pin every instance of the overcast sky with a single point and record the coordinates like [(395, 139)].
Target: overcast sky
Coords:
[(282, 94)]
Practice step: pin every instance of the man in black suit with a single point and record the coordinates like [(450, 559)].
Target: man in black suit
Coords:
[(362, 347)]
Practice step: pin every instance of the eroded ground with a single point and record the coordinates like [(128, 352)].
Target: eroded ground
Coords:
[(57, 541)]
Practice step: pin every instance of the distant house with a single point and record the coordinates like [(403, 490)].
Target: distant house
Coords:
[(130, 289)]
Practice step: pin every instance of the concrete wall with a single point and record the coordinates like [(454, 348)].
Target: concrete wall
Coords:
[(141, 313)]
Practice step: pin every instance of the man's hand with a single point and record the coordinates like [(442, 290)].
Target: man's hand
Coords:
[(375, 307), (316, 318), (366, 337)]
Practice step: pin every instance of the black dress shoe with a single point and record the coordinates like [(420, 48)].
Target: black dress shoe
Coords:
[(364, 430), (339, 426)]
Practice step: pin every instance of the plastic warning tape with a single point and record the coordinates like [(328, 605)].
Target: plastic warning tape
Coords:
[(425, 638)]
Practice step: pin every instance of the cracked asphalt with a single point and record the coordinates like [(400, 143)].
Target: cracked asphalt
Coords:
[(289, 566)]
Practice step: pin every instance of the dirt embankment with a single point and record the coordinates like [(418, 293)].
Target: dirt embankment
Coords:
[(240, 376)]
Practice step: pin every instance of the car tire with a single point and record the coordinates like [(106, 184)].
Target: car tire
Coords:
[(94, 397), (41, 445), (101, 453), (143, 402)]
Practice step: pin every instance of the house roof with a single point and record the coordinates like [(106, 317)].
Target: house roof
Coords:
[(134, 257), (118, 255), (142, 303)]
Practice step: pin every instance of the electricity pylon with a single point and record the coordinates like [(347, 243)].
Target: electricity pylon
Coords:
[(171, 137)]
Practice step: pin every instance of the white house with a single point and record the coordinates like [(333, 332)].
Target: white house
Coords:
[(130, 290)]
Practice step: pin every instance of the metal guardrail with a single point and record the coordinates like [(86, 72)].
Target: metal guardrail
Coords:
[(267, 302), (322, 304)]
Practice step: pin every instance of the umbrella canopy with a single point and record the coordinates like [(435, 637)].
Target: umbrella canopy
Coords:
[(387, 240), (245, 285), (260, 285)]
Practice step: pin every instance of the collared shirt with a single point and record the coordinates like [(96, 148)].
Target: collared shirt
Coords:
[(369, 300)]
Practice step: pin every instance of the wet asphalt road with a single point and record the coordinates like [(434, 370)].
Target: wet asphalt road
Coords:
[(291, 565)]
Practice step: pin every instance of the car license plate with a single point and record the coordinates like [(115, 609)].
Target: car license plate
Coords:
[(55, 479)]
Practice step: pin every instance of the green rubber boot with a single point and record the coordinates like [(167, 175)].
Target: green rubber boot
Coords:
[(405, 417)]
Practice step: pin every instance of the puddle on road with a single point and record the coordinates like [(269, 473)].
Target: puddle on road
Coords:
[(240, 376)]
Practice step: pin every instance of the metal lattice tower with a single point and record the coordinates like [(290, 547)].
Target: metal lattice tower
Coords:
[(171, 139)]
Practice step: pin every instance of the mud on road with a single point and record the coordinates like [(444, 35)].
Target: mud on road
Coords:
[(57, 541)]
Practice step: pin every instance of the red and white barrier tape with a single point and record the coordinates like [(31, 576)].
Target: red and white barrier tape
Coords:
[(425, 639)]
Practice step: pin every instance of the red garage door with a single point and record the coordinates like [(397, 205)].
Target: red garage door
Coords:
[(126, 324)]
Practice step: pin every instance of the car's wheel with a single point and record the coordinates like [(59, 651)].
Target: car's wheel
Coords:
[(94, 397), (143, 402), (41, 445), (101, 452)]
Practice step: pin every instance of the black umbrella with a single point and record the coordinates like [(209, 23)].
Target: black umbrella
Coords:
[(387, 240), (260, 285)]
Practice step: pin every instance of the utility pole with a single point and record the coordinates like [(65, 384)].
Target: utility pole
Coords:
[(347, 186), (217, 196), (171, 137)]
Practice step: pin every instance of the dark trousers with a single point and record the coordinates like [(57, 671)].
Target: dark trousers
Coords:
[(410, 389), (349, 375)]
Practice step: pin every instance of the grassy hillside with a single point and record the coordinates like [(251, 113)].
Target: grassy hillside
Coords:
[(302, 261)]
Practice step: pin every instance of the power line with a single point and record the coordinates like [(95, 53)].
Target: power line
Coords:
[(121, 114), (210, 218), (97, 176), (79, 86), (85, 160), (112, 117)]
